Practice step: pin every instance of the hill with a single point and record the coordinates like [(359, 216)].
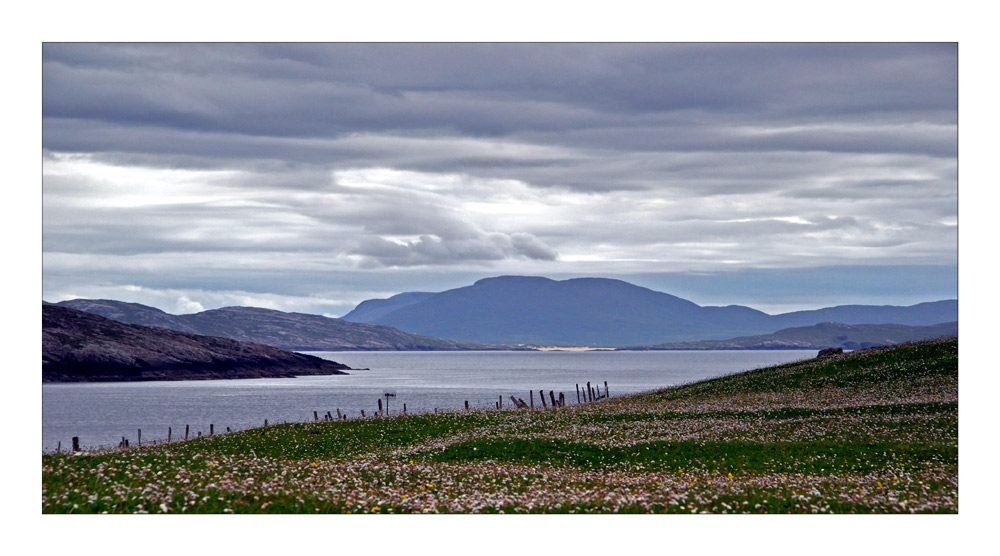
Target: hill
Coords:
[(78, 346), (605, 312), (289, 331), (824, 335), (872, 431)]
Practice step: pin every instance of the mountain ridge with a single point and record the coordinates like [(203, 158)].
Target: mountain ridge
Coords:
[(600, 311), (284, 330)]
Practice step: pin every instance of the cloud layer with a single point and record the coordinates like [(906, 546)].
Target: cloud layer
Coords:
[(221, 171)]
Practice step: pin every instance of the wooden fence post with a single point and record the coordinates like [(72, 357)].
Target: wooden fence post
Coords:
[(59, 447), (466, 405), (315, 416), (380, 405), (552, 396), (404, 409), (590, 393), (186, 429), (140, 437), (606, 394), (265, 422), (531, 396), (541, 394), (362, 413), (211, 429), (578, 393), (76, 443), (169, 434)]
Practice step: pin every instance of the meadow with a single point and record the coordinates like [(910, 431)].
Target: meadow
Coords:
[(872, 431)]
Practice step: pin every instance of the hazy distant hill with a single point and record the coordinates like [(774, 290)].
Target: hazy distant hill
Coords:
[(291, 331), (826, 334), (368, 311), (599, 311), (80, 346)]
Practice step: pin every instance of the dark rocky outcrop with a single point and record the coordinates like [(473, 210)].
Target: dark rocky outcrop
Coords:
[(827, 352), (78, 346)]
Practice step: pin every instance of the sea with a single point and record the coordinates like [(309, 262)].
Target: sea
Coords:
[(103, 414)]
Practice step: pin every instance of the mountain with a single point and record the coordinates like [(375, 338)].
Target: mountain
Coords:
[(606, 312), (80, 346), (368, 311), (290, 331), (824, 335)]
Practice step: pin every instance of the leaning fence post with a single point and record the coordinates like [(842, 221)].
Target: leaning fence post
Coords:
[(531, 396), (552, 396), (541, 394), (577, 393)]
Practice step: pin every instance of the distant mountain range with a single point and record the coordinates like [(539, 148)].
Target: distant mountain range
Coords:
[(81, 346), (605, 312), (824, 335), (289, 331)]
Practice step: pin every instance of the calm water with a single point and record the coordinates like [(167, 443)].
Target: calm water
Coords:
[(102, 413)]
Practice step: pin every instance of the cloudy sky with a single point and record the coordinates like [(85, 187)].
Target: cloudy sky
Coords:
[(310, 177)]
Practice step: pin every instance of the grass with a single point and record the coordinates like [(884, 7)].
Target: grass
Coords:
[(873, 431)]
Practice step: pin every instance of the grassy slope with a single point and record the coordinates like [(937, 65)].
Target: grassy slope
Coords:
[(871, 431)]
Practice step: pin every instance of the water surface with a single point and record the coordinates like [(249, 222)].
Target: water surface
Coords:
[(102, 413)]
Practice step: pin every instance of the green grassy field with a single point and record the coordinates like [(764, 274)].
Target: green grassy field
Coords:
[(874, 431)]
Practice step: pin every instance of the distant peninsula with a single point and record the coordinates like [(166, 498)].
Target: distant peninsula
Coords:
[(822, 335), (83, 347)]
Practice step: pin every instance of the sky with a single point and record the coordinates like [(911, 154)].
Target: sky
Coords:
[(311, 176)]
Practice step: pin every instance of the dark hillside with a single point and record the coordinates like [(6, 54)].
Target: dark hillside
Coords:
[(79, 346)]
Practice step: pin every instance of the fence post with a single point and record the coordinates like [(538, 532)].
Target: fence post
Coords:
[(552, 396), (577, 393), (76, 443), (315, 416), (606, 394), (380, 405), (541, 394), (140, 437), (211, 429), (531, 396), (590, 393), (466, 405), (265, 422), (169, 434), (404, 409)]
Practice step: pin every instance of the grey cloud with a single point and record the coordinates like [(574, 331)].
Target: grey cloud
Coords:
[(427, 250), (594, 157)]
